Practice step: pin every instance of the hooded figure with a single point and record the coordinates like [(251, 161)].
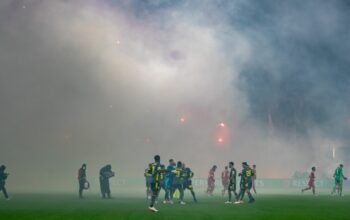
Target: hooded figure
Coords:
[(106, 173)]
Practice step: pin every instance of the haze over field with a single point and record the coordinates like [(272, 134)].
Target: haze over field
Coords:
[(103, 81)]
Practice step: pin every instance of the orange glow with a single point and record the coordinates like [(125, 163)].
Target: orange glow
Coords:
[(182, 120), (222, 124), (220, 140)]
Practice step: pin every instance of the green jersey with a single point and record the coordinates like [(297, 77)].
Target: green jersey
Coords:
[(247, 174), (338, 174), (233, 176), (178, 178)]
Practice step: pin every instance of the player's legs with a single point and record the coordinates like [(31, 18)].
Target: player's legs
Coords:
[(102, 188), (4, 191), (108, 189), (211, 188), (190, 187), (251, 198), (181, 190), (254, 186), (81, 188), (313, 190), (224, 188), (335, 186), (155, 190), (241, 194), (340, 192), (148, 188), (305, 189), (193, 195), (230, 190), (208, 188), (234, 190)]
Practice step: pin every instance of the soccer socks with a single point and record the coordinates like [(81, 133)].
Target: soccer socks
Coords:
[(251, 198), (193, 195)]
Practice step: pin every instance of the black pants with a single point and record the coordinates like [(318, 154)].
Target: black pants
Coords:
[(81, 187), (3, 189), (188, 185), (178, 186), (155, 188), (105, 190), (232, 188), (245, 188)]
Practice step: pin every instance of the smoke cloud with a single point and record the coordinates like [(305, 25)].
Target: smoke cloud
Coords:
[(116, 82)]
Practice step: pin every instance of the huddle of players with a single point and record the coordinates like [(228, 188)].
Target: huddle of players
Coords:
[(246, 183), (175, 177), (338, 181)]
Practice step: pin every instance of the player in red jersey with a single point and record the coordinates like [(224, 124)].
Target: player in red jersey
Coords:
[(224, 180), (311, 184), (211, 181)]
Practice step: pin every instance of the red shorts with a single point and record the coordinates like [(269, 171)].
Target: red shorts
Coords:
[(311, 183)]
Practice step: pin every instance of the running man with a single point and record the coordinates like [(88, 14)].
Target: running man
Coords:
[(338, 180), (211, 181), (311, 184), (224, 180)]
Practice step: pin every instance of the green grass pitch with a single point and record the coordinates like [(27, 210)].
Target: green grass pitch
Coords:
[(270, 206)]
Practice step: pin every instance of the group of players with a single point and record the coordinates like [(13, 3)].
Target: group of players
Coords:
[(229, 182), (173, 179), (176, 177), (338, 181)]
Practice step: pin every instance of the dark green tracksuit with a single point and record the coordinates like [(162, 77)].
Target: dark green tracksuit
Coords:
[(232, 183)]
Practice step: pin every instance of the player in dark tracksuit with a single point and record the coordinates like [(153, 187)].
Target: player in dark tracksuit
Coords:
[(245, 184), (232, 183), (155, 171), (187, 181), (82, 179), (178, 182), (106, 173), (162, 180), (3, 177), (148, 178)]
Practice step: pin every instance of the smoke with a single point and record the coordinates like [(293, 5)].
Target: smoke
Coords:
[(117, 82)]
